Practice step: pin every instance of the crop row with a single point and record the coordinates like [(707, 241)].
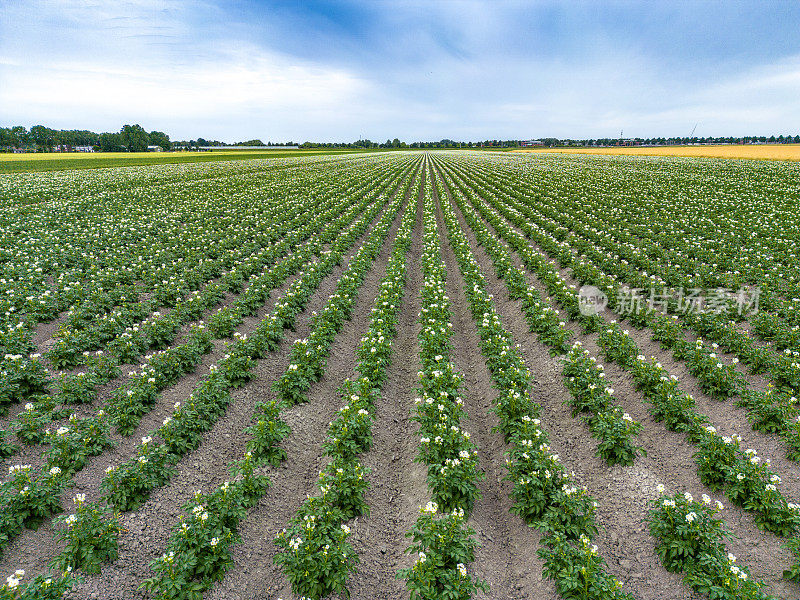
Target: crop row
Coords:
[(773, 512), (129, 484), (314, 552), (441, 539)]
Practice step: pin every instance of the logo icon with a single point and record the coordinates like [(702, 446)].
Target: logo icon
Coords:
[(591, 300)]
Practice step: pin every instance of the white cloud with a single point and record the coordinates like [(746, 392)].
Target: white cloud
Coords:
[(162, 73), (233, 80), (191, 68)]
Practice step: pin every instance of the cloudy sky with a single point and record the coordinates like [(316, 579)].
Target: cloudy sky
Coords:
[(327, 71)]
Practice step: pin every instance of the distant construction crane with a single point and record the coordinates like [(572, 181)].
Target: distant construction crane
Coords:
[(691, 135)]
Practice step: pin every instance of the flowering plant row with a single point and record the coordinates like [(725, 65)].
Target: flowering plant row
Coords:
[(690, 540), (41, 587), (544, 494), (314, 552), (198, 552), (585, 379), (27, 499), (443, 542), (308, 356)]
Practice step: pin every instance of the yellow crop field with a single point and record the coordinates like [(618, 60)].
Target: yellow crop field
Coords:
[(760, 152), (89, 155)]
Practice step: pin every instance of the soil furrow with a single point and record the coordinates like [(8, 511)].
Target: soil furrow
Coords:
[(623, 492), (506, 558), (254, 575)]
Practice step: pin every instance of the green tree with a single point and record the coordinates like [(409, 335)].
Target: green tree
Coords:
[(159, 138), (6, 138), (19, 136), (43, 137), (134, 138), (111, 142)]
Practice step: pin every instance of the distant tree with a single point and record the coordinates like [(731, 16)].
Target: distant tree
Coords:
[(19, 135), (111, 142), (6, 139), (159, 138), (42, 137), (134, 138)]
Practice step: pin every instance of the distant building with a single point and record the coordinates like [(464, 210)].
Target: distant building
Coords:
[(155, 149), (83, 149), (529, 143)]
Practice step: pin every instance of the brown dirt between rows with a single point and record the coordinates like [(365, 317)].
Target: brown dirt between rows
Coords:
[(148, 527), (507, 556), (622, 492), (254, 575)]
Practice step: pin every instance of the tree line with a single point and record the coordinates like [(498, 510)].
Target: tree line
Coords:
[(134, 138), (557, 142), (130, 138)]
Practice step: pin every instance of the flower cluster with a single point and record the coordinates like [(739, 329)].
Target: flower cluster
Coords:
[(198, 552), (690, 539), (315, 554), (544, 494), (90, 534)]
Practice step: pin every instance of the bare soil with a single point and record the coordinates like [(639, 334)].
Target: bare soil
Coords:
[(506, 558)]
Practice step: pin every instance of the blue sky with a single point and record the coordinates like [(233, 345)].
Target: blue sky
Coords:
[(330, 71)]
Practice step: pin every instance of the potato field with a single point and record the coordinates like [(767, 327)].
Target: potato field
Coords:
[(435, 376)]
